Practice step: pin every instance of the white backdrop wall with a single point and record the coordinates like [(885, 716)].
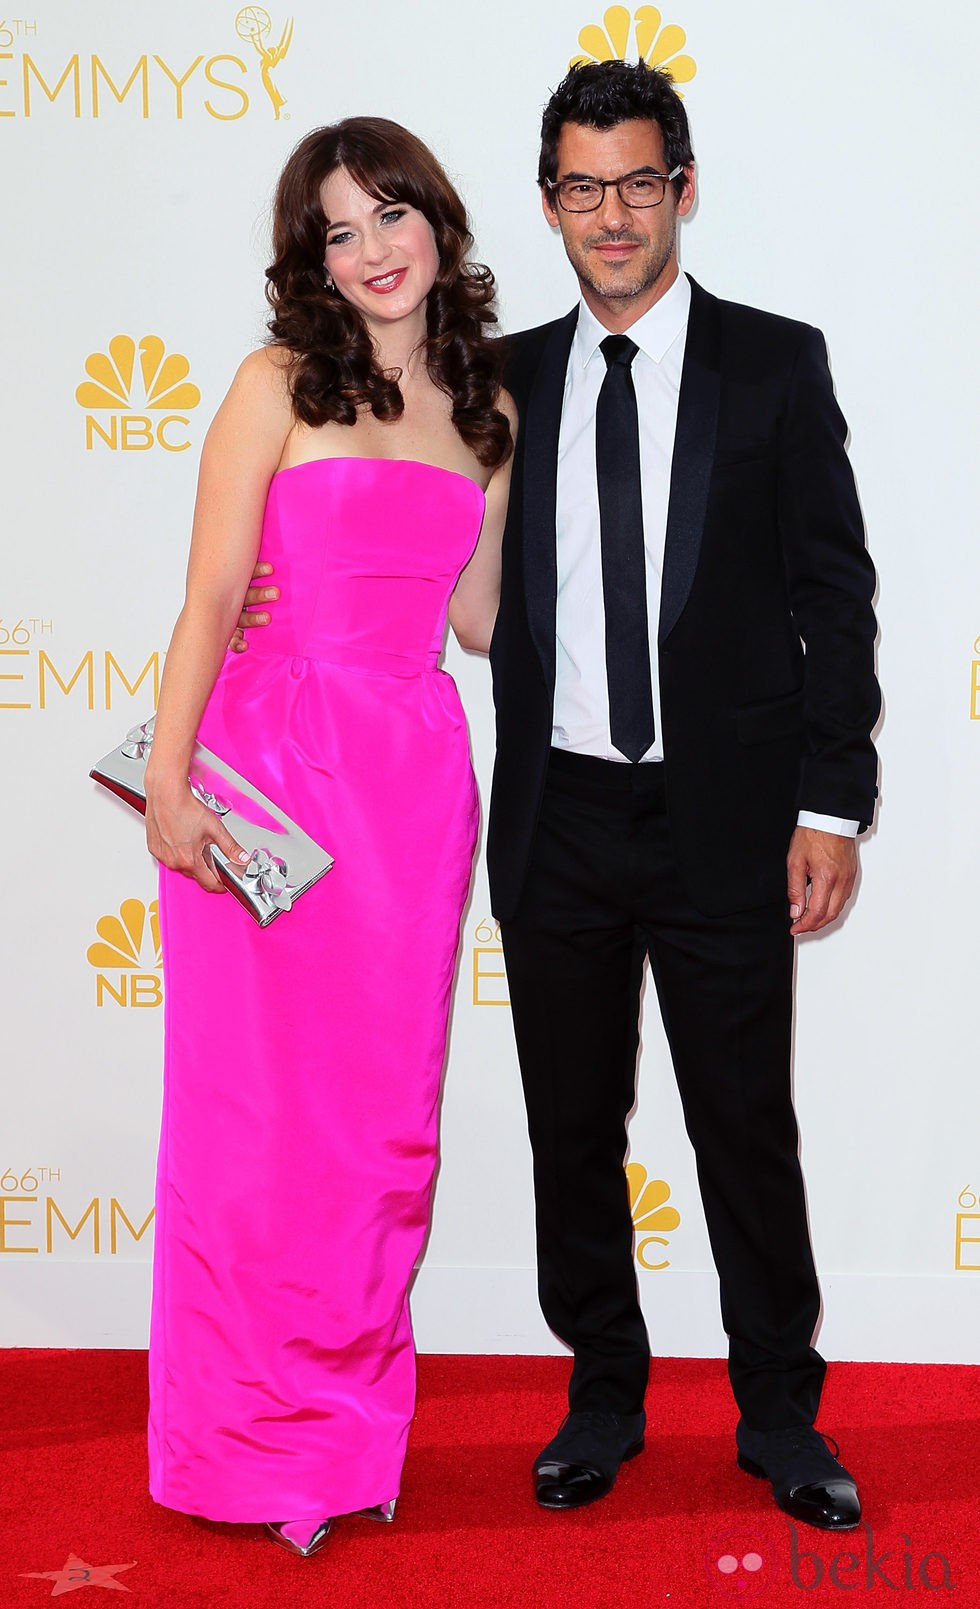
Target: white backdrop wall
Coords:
[(140, 146)]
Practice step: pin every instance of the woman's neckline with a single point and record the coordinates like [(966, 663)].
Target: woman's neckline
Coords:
[(368, 458)]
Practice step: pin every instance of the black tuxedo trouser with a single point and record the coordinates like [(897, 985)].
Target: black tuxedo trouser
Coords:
[(601, 895)]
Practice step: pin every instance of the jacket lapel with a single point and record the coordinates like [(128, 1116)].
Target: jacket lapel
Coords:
[(694, 449), (541, 427)]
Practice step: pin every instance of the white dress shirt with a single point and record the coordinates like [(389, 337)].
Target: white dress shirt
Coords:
[(581, 709)]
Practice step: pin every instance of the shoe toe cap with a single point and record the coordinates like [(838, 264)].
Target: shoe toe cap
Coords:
[(569, 1485), (832, 1504)]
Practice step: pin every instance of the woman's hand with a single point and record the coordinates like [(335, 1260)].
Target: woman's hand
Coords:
[(179, 831)]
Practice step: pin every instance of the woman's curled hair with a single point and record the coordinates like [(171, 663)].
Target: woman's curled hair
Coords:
[(332, 370)]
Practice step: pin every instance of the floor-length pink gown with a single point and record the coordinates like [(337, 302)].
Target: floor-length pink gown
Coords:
[(303, 1061)]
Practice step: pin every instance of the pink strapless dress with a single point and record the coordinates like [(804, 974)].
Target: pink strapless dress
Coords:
[(303, 1061)]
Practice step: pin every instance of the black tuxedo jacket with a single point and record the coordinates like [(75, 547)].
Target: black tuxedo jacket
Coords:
[(766, 632)]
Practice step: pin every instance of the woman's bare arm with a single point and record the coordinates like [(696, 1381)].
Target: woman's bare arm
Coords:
[(473, 605), (241, 452)]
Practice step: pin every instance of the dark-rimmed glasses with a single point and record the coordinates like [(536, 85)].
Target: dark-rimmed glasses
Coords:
[(643, 188)]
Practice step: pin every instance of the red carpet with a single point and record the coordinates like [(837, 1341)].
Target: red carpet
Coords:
[(468, 1534)]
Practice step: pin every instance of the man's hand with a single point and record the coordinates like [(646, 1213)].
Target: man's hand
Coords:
[(250, 616), (820, 872)]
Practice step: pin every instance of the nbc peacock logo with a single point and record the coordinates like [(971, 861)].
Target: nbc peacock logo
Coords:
[(655, 44), (118, 387), (649, 1210), (128, 956)]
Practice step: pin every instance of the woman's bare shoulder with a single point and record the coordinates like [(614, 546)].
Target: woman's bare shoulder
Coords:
[(267, 367), (508, 406), (261, 385)]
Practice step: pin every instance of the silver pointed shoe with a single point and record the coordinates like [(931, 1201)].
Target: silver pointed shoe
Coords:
[(385, 1512), (276, 1530)]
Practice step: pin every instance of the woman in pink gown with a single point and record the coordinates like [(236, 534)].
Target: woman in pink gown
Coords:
[(365, 454)]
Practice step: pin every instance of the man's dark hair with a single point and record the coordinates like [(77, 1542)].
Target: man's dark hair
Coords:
[(600, 94)]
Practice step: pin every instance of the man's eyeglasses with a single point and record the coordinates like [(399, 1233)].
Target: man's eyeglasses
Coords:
[(646, 188)]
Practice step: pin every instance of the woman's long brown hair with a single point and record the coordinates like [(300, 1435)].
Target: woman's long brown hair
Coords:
[(333, 372)]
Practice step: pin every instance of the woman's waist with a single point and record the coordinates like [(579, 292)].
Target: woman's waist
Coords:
[(380, 659)]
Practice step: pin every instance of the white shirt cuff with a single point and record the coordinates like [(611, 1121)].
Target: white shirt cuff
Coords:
[(843, 829)]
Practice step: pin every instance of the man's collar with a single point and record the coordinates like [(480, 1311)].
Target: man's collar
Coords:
[(654, 333)]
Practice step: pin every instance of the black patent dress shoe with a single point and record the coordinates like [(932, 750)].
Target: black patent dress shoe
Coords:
[(807, 1480), (581, 1464)]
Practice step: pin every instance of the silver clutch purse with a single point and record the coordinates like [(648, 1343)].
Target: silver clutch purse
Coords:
[(285, 861)]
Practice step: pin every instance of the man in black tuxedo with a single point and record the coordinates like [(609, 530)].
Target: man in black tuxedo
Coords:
[(684, 685)]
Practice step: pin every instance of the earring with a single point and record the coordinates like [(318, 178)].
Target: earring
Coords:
[(327, 282)]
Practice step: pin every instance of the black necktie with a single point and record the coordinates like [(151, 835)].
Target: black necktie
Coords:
[(624, 592)]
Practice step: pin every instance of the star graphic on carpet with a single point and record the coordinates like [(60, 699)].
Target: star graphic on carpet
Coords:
[(76, 1573)]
